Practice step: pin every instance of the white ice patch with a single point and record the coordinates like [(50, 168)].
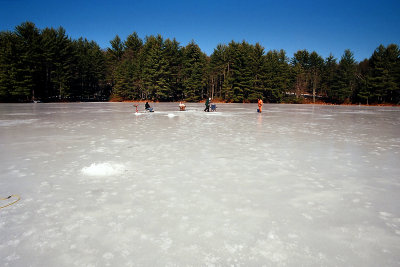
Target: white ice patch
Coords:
[(103, 169), (170, 115), (16, 122), (120, 141)]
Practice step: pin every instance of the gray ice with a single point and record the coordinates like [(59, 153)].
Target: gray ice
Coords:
[(297, 185)]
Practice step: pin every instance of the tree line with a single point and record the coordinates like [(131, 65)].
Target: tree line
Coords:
[(47, 65)]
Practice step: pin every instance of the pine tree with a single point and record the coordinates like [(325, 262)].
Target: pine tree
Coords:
[(193, 70), (378, 74), (384, 76), (155, 69), (219, 66), (328, 76), (257, 67), (123, 81), (58, 63), (113, 59), (316, 64), (393, 73), (63, 64), (363, 93), (344, 86), (277, 81), (131, 65), (26, 70), (172, 53), (8, 65), (301, 65), (89, 70), (133, 45)]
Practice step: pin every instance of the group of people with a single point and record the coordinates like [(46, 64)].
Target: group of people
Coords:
[(214, 106), (147, 107), (208, 103)]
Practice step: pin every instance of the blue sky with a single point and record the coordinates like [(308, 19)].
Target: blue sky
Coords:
[(322, 26)]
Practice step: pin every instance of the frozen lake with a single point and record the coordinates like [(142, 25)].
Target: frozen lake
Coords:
[(298, 185)]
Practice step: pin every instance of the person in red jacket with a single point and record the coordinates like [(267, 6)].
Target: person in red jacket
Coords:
[(260, 104)]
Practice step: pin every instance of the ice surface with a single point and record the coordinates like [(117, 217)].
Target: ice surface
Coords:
[(298, 185)]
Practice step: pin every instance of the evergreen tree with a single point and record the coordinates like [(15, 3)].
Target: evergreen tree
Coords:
[(128, 79), (123, 81), (343, 88), (89, 70), (219, 70), (193, 70), (257, 68), (384, 77), (172, 53), (276, 77), (113, 59), (58, 63), (393, 73), (27, 73), (316, 65), (155, 69), (133, 45), (9, 58), (63, 64), (117, 48), (301, 65), (242, 76), (49, 57), (328, 76), (363, 93), (378, 74)]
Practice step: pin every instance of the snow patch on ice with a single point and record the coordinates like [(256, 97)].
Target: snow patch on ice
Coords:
[(385, 215), (103, 169), (119, 141), (108, 256), (170, 115), (21, 114), (16, 122)]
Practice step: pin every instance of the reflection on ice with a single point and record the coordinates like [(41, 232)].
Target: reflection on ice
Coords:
[(297, 185)]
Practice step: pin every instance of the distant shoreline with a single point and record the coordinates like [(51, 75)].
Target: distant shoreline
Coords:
[(214, 101)]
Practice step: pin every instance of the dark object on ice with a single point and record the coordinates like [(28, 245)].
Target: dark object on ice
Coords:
[(207, 105), (213, 107), (147, 107)]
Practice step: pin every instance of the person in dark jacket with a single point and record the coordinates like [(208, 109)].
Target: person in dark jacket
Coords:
[(207, 105), (147, 107)]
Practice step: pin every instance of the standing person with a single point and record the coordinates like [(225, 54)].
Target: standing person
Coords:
[(207, 105), (260, 104)]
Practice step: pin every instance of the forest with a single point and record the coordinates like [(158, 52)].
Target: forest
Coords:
[(47, 65)]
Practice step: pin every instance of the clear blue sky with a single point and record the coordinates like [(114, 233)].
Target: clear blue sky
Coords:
[(322, 26)]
